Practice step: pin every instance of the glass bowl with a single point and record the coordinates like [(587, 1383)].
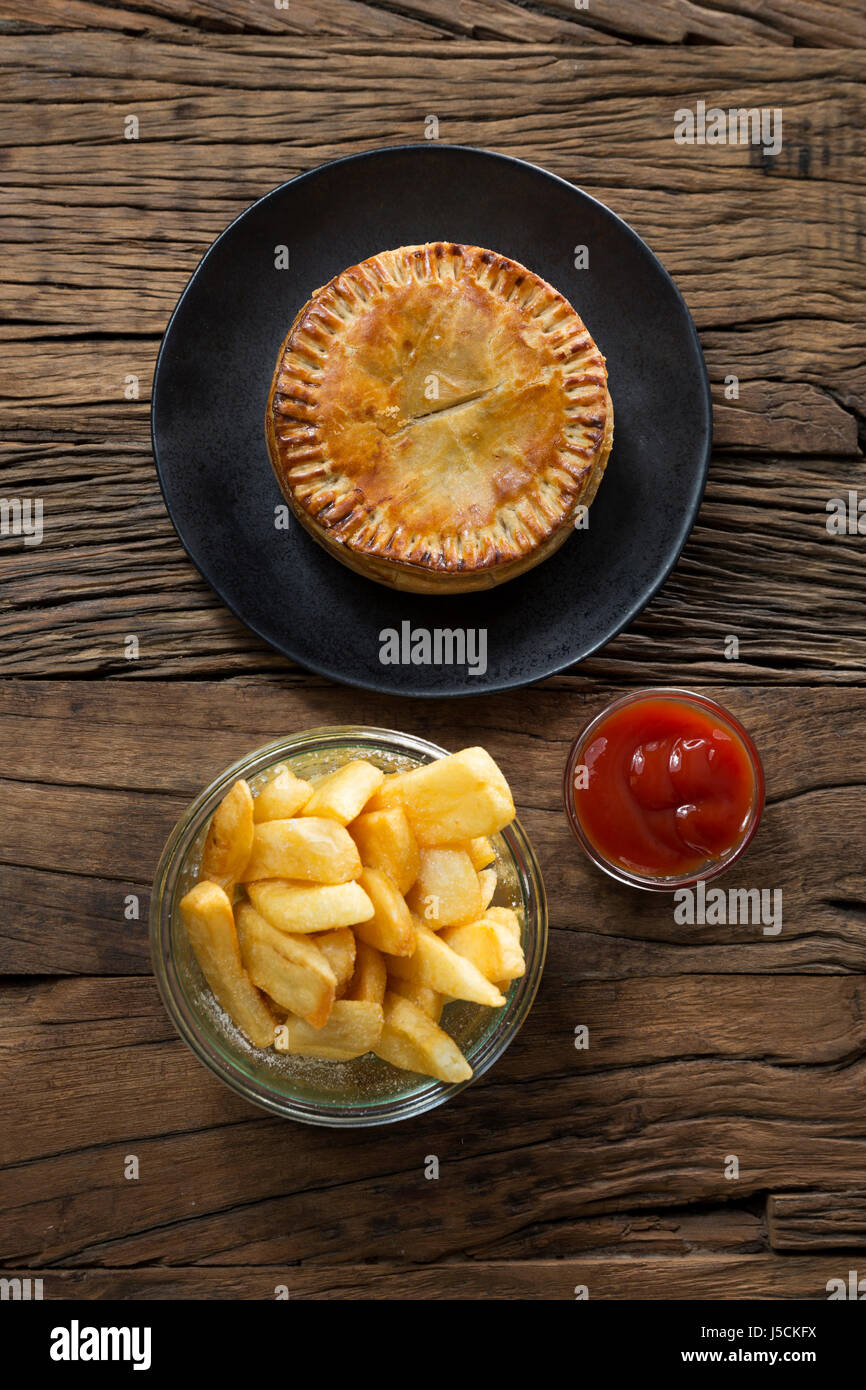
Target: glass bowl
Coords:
[(365, 1091), (712, 867)]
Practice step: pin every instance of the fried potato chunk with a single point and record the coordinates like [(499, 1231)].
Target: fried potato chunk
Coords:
[(425, 999), (282, 797), (342, 795), (354, 1028), (385, 841), (447, 890), (390, 928), (435, 964), (306, 907), (508, 918), (338, 947), (230, 838), (371, 974), (412, 1041), (210, 925), (315, 848), (292, 970), (480, 851), (487, 883), (490, 947), (459, 797)]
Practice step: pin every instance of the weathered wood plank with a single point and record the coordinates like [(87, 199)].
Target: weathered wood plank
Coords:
[(218, 1186), (732, 1228), (96, 774), (759, 565), (67, 923), (817, 1220), (101, 242), (607, 1277), (836, 23), (346, 19)]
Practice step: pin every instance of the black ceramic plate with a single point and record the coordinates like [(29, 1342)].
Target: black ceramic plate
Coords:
[(214, 373)]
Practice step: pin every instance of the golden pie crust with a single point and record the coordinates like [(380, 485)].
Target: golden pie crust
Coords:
[(438, 418)]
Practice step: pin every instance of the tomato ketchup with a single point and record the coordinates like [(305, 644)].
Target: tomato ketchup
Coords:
[(664, 785)]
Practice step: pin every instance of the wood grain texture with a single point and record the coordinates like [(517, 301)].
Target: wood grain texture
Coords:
[(817, 1220), (101, 233), (95, 775), (603, 1167), (818, 23), (607, 1277), (629, 1130), (686, 1063)]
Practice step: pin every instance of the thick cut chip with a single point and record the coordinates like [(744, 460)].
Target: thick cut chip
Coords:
[(480, 851), (342, 795), (230, 838), (436, 965), (446, 890), (487, 883), (353, 1029), (306, 907), (210, 925), (338, 948), (385, 841), (425, 999), (315, 849), (371, 974), (508, 918), (390, 928), (458, 797), (412, 1041), (292, 970), (491, 948), (282, 797)]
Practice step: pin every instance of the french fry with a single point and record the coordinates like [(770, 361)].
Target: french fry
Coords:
[(436, 965), (353, 1029), (447, 890), (229, 840), (315, 849), (459, 797), (343, 794), (487, 881), (385, 841), (490, 947), (480, 851), (210, 925), (508, 918), (371, 974), (412, 1041), (427, 1000), (292, 970), (390, 928), (282, 797), (303, 907), (338, 948)]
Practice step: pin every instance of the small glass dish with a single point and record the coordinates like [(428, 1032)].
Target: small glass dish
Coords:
[(712, 867), (365, 1091)]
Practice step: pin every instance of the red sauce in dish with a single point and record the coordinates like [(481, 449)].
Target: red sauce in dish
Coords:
[(670, 786)]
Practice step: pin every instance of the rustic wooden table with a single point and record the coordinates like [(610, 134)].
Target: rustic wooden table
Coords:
[(608, 1167)]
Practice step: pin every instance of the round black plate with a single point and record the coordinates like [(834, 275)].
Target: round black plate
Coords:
[(214, 373)]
